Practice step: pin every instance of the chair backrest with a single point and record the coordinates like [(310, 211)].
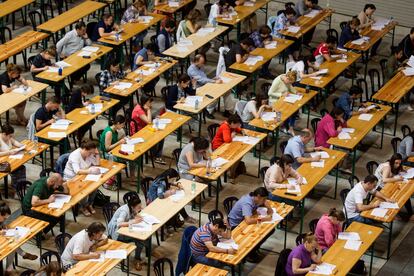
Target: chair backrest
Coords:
[(282, 146), (375, 80), (343, 194), (47, 257), (61, 163), (212, 129), (98, 81), (214, 214), (228, 203), (323, 112), (46, 172), (343, 24), (108, 210), (35, 18), (312, 225), (263, 172), (314, 124), (61, 240), (265, 87), (282, 261), (28, 272), (362, 83), (145, 184), (176, 154), (395, 142), (239, 107), (129, 195), (164, 93), (5, 34), (184, 256), (21, 187), (273, 160), (99, 133), (372, 166), (299, 239), (353, 180), (405, 130), (90, 27), (161, 264), (383, 64), (333, 33)]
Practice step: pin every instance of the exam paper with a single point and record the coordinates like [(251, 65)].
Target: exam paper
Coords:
[(84, 53), (227, 244), (21, 231), (352, 245), (141, 227), (246, 139), (293, 181), (379, 212), (348, 130), (319, 164), (100, 259), (21, 90), (359, 41), (51, 134), (62, 64), (116, 254), (365, 117), (123, 85), (98, 107), (62, 198), (252, 60), (130, 148), (324, 269), (295, 190), (173, 4), (63, 122), (59, 126), (145, 18), (268, 116), (52, 69), (275, 217), (410, 62), (134, 141), (56, 205), (191, 100), (184, 42), (150, 219), (292, 98), (293, 29), (342, 60), (16, 156), (93, 177), (178, 195), (408, 72), (409, 174), (349, 236), (322, 154), (389, 205), (225, 79), (271, 45), (90, 49), (218, 162), (205, 31), (102, 170), (248, 4), (164, 121), (344, 135)]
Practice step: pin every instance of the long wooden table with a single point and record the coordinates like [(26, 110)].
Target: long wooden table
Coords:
[(206, 270), (11, 6), (345, 259), (287, 110), (80, 188), (151, 138), (401, 192), (247, 237), (102, 268), (362, 128), (233, 152), (9, 244), (164, 210), (393, 91), (313, 176), (165, 8), (31, 151), (215, 90)]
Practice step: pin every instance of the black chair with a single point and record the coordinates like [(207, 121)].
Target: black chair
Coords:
[(207, 8), (35, 18), (362, 83), (333, 33), (383, 64), (343, 193), (47, 257), (61, 240), (161, 264), (176, 154), (164, 94), (46, 172), (263, 172), (212, 129), (312, 225), (395, 142), (323, 111), (405, 130), (21, 187), (273, 160), (108, 210), (98, 81), (353, 180), (145, 185), (299, 239), (99, 133), (343, 24), (265, 87), (28, 272), (372, 166), (375, 85), (214, 214), (129, 195), (282, 261), (90, 28), (282, 146), (153, 39), (228, 203), (314, 124)]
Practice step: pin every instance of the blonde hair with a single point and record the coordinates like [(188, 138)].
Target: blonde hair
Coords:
[(51, 51), (291, 76), (139, 3)]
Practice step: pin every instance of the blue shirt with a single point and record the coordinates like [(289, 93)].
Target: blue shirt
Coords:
[(244, 207), (199, 74), (157, 189), (344, 101), (143, 53), (296, 148)]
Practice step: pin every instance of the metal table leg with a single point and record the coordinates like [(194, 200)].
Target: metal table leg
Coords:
[(389, 241), (199, 210), (217, 192), (396, 118), (302, 215), (149, 256)]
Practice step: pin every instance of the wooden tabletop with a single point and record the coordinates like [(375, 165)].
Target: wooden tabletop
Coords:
[(132, 29), (20, 42), (395, 89), (362, 128), (8, 244), (400, 192), (306, 23), (71, 16), (96, 268), (215, 90), (13, 5), (345, 259), (164, 210), (200, 269), (267, 55), (287, 110), (373, 35), (313, 175), (10, 100), (243, 12), (76, 62), (248, 236), (335, 68), (165, 8), (198, 40), (138, 80), (233, 152), (79, 188), (152, 137), (79, 117)]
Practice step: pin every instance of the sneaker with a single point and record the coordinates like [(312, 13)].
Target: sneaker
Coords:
[(410, 108), (226, 113), (160, 161), (210, 116)]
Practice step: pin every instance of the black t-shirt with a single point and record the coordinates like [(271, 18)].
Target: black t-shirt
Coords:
[(40, 62), (44, 115), (6, 80), (107, 29), (75, 100), (230, 57)]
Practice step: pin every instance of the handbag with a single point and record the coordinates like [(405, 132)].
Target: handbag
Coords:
[(5, 167)]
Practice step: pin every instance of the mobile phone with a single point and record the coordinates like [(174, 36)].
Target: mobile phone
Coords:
[(209, 96)]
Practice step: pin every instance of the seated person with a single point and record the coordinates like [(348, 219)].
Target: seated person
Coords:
[(296, 148), (254, 109), (42, 61), (285, 19), (178, 92), (346, 101), (193, 155), (349, 33), (219, 9), (132, 15), (393, 65), (83, 245), (8, 84), (328, 228), (303, 7), (304, 258), (191, 24), (48, 114), (260, 38), (84, 161), (238, 53), (406, 147), (367, 20), (146, 56), (205, 239), (41, 192), (104, 28), (326, 49), (407, 45), (51, 269), (4, 214), (304, 68), (165, 38), (354, 202), (329, 126)]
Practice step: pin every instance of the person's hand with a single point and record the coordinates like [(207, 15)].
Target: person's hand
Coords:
[(45, 68), (267, 218), (390, 200), (318, 148), (51, 198), (316, 158), (113, 32), (375, 204), (231, 251), (94, 170), (85, 36), (138, 219), (193, 82), (339, 129), (299, 180), (51, 121), (398, 178), (312, 267), (290, 186), (94, 255), (219, 81), (122, 141), (233, 134)]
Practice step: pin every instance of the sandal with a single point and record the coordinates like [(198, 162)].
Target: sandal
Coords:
[(190, 220), (138, 266), (91, 209), (85, 212), (160, 161)]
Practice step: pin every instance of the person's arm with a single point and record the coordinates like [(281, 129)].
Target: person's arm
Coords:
[(86, 40), (40, 125), (60, 44), (140, 61), (364, 23), (161, 42), (61, 113), (381, 196), (274, 175), (329, 235), (36, 201), (275, 88), (16, 143), (215, 249), (409, 148), (316, 257), (387, 176), (35, 69), (292, 89), (147, 118), (190, 161), (227, 134), (296, 267), (201, 79), (190, 26), (108, 142), (84, 257), (102, 33), (330, 129)]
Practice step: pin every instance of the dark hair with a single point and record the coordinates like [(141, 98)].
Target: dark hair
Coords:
[(133, 201), (113, 62), (79, 25), (290, 11), (370, 6), (200, 143), (7, 129), (261, 191), (183, 78), (52, 267), (314, 2), (198, 57), (330, 40), (170, 24), (339, 214), (354, 21), (11, 67), (166, 174), (119, 119), (264, 29), (144, 99), (95, 227), (4, 209), (247, 41), (234, 119), (221, 3), (285, 159), (88, 145), (394, 157), (306, 59), (193, 15), (336, 111), (261, 96), (220, 223), (355, 90), (51, 51), (370, 179), (54, 100), (396, 49), (412, 30), (152, 47), (87, 88)]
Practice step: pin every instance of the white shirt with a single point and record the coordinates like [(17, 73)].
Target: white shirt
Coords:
[(354, 197), (247, 114), (214, 12), (78, 244), (77, 163), (299, 67)]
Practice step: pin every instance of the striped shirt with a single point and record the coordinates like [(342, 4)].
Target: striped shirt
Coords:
[(199, 239)]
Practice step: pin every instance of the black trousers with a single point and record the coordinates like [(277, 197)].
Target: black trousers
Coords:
[(52, 220)]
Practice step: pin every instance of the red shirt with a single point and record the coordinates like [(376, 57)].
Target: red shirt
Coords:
[(137, 123), (223, 135), (322, 49)]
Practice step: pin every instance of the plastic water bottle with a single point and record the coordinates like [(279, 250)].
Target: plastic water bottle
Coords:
[(214, 22), (196, 104), (130, 226), (208, 166), (156, 124), (92, 109), (193, 186), (60, 71), (307, 89), (117, 37), (110, 158), (16, 234)]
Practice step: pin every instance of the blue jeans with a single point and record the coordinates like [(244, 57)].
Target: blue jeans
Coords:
[(157, 149), (360, 219), (202, 259)]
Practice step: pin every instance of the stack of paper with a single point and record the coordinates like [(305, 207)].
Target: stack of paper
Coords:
[(312, 13), (348, 130), (145, 18), (102, 170), (359, 41), (116, 254), (191, 100), (380, 23), (365, 117), (59, 126), (150, 219), (409, 174), (225, 79), (134, 141), (173, 4), (62, 64), (342, 60), (98, 107), (319, 164), (51, 134), (379, 212), (92, 49), (408, 71), (19, 230), (349, 236), (141, 227), (325, 269), (248, 4), (93, 177), (252, 60), (271, 45), (410, 62), (292, 98), (294, 190), (322, 71), (389, 205), (246, 139), (60, 200), (179, 195), (227, 244), (84, 53), (344, 135), (148, 72), (322, 154), (353, 245), (16, 156), (184, 42), (293, 181), (205, 31), (21, 89), (123, 85), (268, 116), (130, 148), (218, 162), (293, 29), (275, 216)]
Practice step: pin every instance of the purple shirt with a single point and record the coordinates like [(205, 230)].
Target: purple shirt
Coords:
[(302, 254)]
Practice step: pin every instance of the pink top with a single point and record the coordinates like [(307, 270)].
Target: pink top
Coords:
[(325, 130), (138, 123), (326, 232)]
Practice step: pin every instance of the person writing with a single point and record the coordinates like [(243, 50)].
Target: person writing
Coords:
[(328, 228), (49, 113), (304, 257), (330, 126), (254, 109), (193, 155)]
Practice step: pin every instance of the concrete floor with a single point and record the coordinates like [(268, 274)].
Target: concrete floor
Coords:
[(316, 205)]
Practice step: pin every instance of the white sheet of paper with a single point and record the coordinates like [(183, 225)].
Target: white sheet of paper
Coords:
[(98, 107), (349, 236), (123, 85), (293, 181), (164, 121), (389, 205), (134, 141), (246, 139), (150, 219), (408, 72), (410, 62), (205, 31), (56, 205), (145, 18), (93, 177), (379, 212), (316, 78), (227, 244), (344, 135), (293, 29), (84, 53), (322, 71), (22, 231), (173, 4), (225, 79), (16, 156), (141, 227), (252, 60), (63, 122), (179, 195), (322, 154), (52, 69), (352, 245), (292, 98), (62, 64), (218, 162), (409, 174), (101, 259), (51, 134), (184, 42), (21, 90), (295, 190), (116, 254), (128, 148), (59, 127), (248, 4), (342, 60), (358, 41), (182, 49), (190, 100), (102, 170), (92, 49), (324, 269), (348, 130), (319, 164), (268, 116), (365, 117), (271, 45), (62, 198)]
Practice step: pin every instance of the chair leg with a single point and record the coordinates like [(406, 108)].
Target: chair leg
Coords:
[(157, 237)]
